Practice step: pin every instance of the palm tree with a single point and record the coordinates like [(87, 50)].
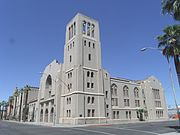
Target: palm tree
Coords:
[(171, 7), (5, 109), (169, 42), (140, 112), (4, 103)]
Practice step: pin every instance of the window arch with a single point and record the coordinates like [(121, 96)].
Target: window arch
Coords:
[(136, 92), (46, 116), (41, 115), (126, 91), (92, 32), (84, 27), (88, 28), (88, 73), (49, 83), (92, 74), (92, 100), (88, 100), (114, 89)]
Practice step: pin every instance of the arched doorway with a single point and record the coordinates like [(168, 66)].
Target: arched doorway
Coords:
[(52, 114), (41, 115), (46, 116)]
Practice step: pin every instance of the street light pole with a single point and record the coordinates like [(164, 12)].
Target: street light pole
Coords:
[(171, 79)]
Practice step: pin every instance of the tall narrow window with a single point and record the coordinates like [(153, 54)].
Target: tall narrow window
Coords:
[(88, 73), (92, 85), (88, 85), (84, 27), (125, 91), (89, 57), (69, 113), (106, 94), (74, 28), (88, 100), (69, 100), (88, 29), (92, 32), (93, 45), (92, 74), (89, 44), (70, 59), (93, 112), (126, 114), (89, 113), (117, 114), (92, 100), (84, 42), (69, 33)]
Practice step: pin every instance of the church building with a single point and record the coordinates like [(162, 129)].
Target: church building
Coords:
[(80, 91)]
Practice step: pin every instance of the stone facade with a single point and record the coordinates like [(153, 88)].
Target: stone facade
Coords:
[(18, 107), (80, 91)]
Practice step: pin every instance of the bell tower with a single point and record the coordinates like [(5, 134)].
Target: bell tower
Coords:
[(83, 99)]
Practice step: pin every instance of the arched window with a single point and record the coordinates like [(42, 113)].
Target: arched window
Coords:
[(89, 57), (92, 74), (84, 27), (69, 100), (70, 58), (136, 92), (126, 91), (51, 114), (88, 29), (88, 100), (88, 73), (48, 84), (92, 100), (114, 89), (74, 28), (92, 32), (41, 116), (46, 116)]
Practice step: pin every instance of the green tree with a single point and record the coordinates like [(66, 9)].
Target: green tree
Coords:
[(3, 104), (140, 114), (171, 7), (169, 42)]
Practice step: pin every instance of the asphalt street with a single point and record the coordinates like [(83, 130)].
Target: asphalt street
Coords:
[(153, 128)]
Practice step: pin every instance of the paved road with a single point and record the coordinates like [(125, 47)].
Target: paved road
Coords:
[(153, 128)]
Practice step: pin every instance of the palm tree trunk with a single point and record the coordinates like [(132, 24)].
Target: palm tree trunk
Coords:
[(177, 66)]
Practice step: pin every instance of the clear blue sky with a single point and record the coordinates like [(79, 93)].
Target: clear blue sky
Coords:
[(32, 34)]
